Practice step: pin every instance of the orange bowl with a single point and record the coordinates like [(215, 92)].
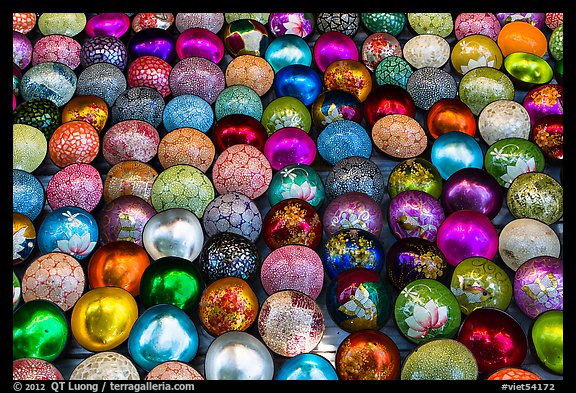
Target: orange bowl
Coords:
[(522, 37)]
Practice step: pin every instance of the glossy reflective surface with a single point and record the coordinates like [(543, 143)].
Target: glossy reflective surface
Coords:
[(474, 51), (546, 338), (450, 114), (40, 330), (152, 42), (467, 233), (297, 181), (333, 46), (368, 355), (548, 134), (454, 151), (359, 299), (246, 37), (292, 221), (306, 367), (479, 282), (114, 24), (228, 304), (415, 213), (103, 317), (426, 309), (353, 210), (528, 68), (173, 232), (349, 75), (237, 129), (519, 36), (413, 258), (415, 174), (289, 146), (387, 100), (495, 338), (299, 81), (350, 248), (472, 189), (539, 285), (23, 237), (238, 356), (70, 230), (118, 264), (508, 158), (171, 280), (161, 333), (288, 50), (201, 43)]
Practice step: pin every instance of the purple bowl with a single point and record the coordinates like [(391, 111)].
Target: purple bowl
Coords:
[(536, 19), (413, 258), (539, 285), (415, 213), (114, 24), (472, 189), (353, 210), (200, 42), (544, 100), (197, 76), (104, 49), (333, 46), (124, 218), (22, 49), (152, 42), (465, 234), (298, 23), (289, 146)]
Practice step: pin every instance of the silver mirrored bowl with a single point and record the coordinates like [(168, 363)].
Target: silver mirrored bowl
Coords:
[(238, 355), (173, 232)]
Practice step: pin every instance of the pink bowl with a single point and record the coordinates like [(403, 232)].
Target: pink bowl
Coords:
[(465, 234), (200, 42), (289, 146), (333, 46)]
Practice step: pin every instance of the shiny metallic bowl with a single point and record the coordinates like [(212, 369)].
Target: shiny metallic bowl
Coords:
[(173, 232), (238, 355)]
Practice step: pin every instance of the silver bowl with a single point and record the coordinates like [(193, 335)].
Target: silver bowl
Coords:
[(238, 355), (173, 232)]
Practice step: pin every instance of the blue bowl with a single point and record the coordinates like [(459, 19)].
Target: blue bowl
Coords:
[(188, 110), (70, 230), (342, 139), (28, 195), (307, 367), (162, 333), (287, 50), (299, 81), (456, 150)]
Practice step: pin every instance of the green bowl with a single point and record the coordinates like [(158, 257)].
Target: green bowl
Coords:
[(527, 69)]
